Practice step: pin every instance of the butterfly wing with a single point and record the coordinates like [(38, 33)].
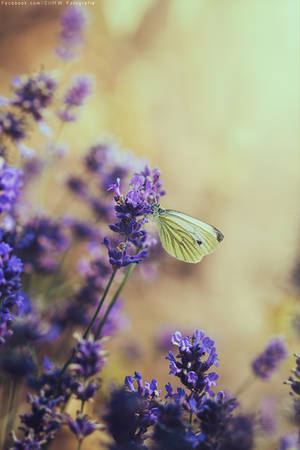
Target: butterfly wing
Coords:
[(186, 238)]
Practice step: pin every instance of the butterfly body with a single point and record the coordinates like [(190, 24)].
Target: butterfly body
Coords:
[(184, 237)]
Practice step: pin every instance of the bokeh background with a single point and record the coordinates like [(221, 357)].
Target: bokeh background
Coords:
[(208, 92)]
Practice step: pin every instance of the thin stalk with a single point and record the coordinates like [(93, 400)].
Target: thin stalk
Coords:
[(245, 385), (79, 445), (113, 301), (68, 362)]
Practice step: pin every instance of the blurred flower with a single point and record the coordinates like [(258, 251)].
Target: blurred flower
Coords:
[(128, 418), (10, 288), (12, 126), (16, 363), (215, 415), (40, 243), (77, 186), (89, 357), (10, 184), (268, 361), (239, 434), (74, 98), (44, 420), (34, 93), (73, 22), (267, 419), (294, 382), (189, 364), (289, 441)]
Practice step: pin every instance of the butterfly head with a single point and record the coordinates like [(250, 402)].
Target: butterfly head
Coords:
[(157, 210)]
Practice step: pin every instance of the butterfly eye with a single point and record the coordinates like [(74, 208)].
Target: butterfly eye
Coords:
[(199, 243)]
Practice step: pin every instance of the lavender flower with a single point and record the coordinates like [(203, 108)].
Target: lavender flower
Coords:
[(294, 382), (128, 418), (10, 184), (189, 364), (40, 243), (74, 98), (82, 426), (34, 93), (10, 289), (73, 22), (16, 363), (268, 361), (131, 211), (44, 421), (12, 126), (89, 358)]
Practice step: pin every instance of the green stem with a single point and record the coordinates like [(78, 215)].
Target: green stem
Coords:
[(191, 417), (113, 301), (79, 445), (245, 385), (68, 362)]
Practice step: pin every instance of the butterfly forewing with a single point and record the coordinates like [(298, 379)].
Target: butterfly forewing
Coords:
[(186, 238)]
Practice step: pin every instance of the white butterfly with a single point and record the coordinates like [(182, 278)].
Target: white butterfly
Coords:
[(184, 237)]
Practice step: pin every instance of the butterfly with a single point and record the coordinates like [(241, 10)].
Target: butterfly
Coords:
[(184, 237)]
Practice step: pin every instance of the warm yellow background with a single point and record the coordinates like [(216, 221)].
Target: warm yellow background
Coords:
[(207, 90)]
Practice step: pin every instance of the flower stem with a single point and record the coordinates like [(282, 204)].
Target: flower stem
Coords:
[(68, 362), (79, 445), (113, 301), (245, 385)]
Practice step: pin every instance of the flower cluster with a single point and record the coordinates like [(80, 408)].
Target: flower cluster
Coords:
[(195, 357), (40, 243), (74, 98), (268, 361), (10, 289), (73, 22), (131, 211), (12, 126), (34, 93), (185, 421), (10, 185), (294, 382)]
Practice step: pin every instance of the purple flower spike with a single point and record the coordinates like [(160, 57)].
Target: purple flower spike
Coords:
[(33, 94), (195, 357), (74, 98), (82, 426), (268, 361), (73, 21), (12, 126), (10, 184)]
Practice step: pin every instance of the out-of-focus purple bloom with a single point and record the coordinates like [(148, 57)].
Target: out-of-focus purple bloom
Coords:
[(10, 288), (74, 98), (40, 243), (97, 157), (77, 186), (196, 356), (294, 382), (16, 363), (128, 417), (268, 361), (44, 420), (267, 420), (289, 441), (89, 358), (12, 126), (34, 93), (215, 415), (73, 22), (115, 322), (239, 434), (82, 426), (82, 230), (10, 185), (170, 432)]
